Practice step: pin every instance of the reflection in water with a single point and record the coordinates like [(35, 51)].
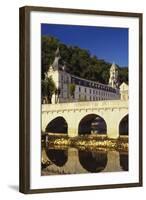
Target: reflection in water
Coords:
[(124, 161), (74, 161), (93, 161), (57, 156)]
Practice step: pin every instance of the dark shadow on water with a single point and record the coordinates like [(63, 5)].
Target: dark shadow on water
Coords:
[(14, 187), (58, 157), (124, 162), (93, 161)]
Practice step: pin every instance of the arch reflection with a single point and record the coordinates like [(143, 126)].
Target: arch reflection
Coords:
[(93, 161), (57, 156), (124, 161)]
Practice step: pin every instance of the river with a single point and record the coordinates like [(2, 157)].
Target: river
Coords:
[(68, 160)]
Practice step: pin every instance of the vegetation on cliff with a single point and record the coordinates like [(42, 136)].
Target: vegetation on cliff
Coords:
[(78, 61)]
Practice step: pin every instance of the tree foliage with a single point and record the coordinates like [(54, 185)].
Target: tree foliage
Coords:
[(72, 88), (48, 88), (78, 61)]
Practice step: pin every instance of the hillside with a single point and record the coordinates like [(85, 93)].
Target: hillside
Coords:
[(78, 61)]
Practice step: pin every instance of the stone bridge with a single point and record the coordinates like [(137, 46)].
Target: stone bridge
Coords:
[(111, 111)]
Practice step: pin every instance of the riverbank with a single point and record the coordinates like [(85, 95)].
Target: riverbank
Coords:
[(87, 141)]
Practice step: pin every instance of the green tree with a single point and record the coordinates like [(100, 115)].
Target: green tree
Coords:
[(123, 75), (48, 88), (49, 45), (72, 88)]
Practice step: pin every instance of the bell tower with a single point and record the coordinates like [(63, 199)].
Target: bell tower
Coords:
[(55, 64), (54, 68), (113, 80), (54, 74)]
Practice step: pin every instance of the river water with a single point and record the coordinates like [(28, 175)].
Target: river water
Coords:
[(59, 160)]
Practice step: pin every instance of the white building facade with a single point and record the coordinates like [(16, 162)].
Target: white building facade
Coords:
[(124, 91), (72, 88)]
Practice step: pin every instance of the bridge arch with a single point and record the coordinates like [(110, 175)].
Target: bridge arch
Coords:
[(57, 125), (92, 123), (123, 125)]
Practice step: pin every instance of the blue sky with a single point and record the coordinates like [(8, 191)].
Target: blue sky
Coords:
[(110, 44)]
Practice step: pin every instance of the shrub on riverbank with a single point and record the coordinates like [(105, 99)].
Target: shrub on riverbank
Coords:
[(89, 142)]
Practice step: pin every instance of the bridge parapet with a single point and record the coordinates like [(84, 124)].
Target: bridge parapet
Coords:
[(106, 104)]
